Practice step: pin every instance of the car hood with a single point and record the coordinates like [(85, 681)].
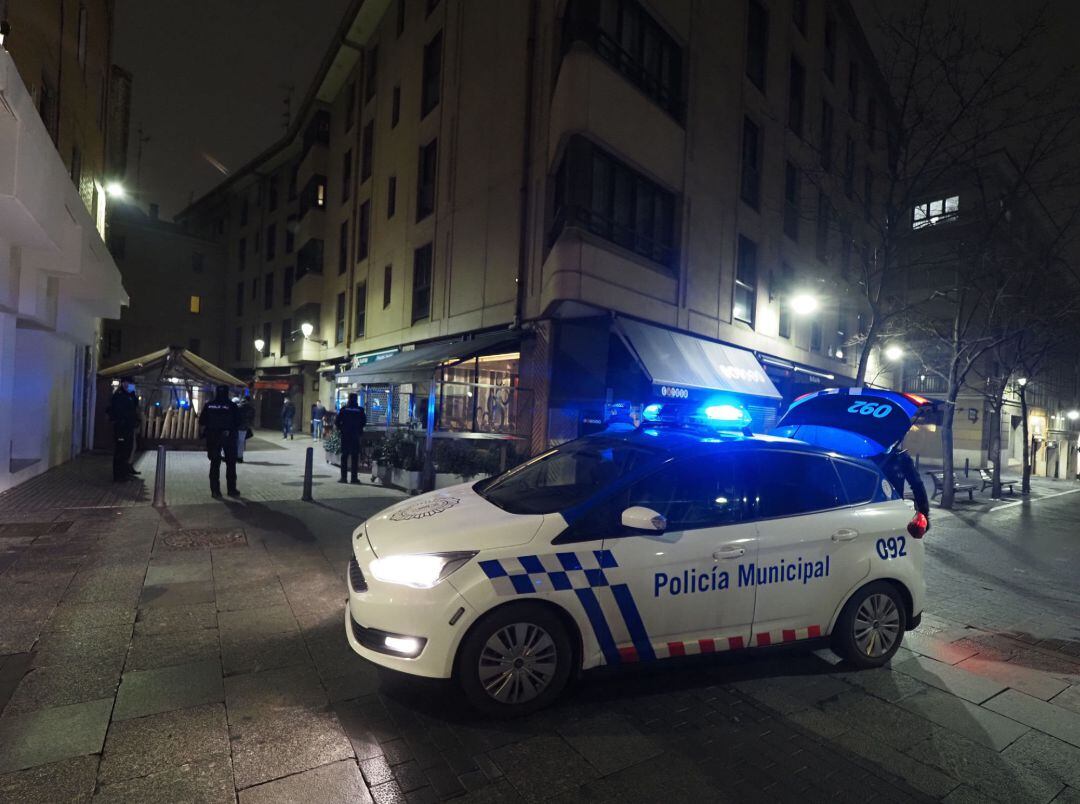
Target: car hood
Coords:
[(862, 422), (455, 518)]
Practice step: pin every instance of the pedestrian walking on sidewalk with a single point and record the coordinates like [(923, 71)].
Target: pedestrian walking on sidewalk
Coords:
[(317, 414), (350, 423), (220, 422), (288, 413), (124, 414), (247, 419)]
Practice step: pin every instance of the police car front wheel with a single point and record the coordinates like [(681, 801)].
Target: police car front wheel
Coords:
[(515, 660), (871, 625)]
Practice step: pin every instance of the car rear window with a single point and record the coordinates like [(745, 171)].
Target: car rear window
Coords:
[(859, 482), (792, 483)]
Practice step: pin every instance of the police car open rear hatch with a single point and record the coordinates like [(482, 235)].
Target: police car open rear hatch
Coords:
[(861, 422)]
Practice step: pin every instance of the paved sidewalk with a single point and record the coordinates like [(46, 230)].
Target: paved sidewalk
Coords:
[(196, 654)]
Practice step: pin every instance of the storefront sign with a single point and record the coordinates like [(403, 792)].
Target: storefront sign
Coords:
[(373, 357), (674, 392)]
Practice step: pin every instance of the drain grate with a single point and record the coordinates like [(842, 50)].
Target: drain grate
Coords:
[(22, 530), (204, 538)]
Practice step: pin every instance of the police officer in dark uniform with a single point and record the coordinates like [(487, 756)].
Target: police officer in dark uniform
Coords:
[(351, 421), (220, 422), (123, 412), (898, 467)]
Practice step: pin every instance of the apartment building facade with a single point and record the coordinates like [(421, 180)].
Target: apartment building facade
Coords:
[(612, 181)]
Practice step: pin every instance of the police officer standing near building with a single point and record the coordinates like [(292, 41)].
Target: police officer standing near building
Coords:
[(124, 414), (351, 421), (220, 422)]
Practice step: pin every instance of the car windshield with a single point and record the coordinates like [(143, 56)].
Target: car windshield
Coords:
[(567, 476)]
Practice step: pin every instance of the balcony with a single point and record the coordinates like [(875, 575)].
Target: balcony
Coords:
[(309, 259)]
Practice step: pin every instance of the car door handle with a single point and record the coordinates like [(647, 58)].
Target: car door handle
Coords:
[(729, 552), (845, 535)]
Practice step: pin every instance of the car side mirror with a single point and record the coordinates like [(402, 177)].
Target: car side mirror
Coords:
[(639, 517)]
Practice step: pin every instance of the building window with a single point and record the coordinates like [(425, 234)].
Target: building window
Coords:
[(255, 289), (596, 192), (400, 18), (796, 96), (751, 163), (757, 43), (76, 166), (845, 248), (113, 341), (195, 304), (432, 75), (787, 279), (272, 193), (940, 210), (868, 192), (346, 176), (80, 41), (745, 282), (371, 78), (343, 247), (791, 201), (853, 88), (391, 197), (239, 299), (431, 5), (286, 336), (294, 174), (339, 320), (387, 283), (313, 195), (395, 107), (316, 133), (268, 292), (798, 15), (361, 310), (271, 241), (624, 34), (266, 333), (286, 286), (244, 211), (290, 234), (830, 47), (363, 231), (238, 343), (824, 220), (871, 122), (367, 151), (421, 290), (849, 166), (350, 107), (425, 194), (826, 136), (815, 335), (309, 259)]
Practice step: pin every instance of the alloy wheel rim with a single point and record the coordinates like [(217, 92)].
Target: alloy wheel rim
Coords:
[(517, 663), (877, 625)]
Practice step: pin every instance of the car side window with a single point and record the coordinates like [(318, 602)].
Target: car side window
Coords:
[(792, 483), (695, 493), (860, 483)]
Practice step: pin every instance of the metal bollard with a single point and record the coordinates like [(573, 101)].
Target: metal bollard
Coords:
[(159, 478), (308, 457), (967, 465)]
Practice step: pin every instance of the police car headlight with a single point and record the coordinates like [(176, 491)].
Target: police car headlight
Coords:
[(418, 571)]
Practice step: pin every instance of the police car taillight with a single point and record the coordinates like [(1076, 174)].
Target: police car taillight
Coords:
[(918, 526)]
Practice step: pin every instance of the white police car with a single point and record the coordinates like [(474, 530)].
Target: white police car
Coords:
[(680, 537)]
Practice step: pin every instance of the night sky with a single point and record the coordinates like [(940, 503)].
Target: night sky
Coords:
[(209, 76)]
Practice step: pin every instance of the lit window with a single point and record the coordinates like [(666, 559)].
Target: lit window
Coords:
[(195, 304), (936, 211)]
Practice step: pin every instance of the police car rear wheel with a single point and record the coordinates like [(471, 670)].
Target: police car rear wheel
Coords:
[(516, 660), (871, 625)]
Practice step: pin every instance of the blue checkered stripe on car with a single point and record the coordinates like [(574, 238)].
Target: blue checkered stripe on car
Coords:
[(585, 574), (555, 572)]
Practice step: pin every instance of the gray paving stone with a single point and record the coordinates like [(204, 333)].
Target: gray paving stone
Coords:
[(921, 776), (149, 651), (83, 647), (790, 693), (947, 646), (145, 745), (963, 717), (257, 594), (18, 635), (993, 775), (1029, 681), (49, 735), (1070, 795), (248, 623), (896, 727), (609, 742), (542, 766), (70, 780), (161, 573), (62, 684), (101, 584), (1069, 698), (257, 653), (361, 682), (329, 784), (883, 682), (146, 692), (255, 695), (80, 616), (1048, 755), (165, 619), (177, 594), (1046, 717), (206, 782), (950, 679)]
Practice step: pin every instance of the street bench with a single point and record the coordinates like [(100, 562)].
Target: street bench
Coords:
[(958, 485), (988, 481)]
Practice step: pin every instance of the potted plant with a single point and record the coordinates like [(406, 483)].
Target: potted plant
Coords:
[(332, 445)]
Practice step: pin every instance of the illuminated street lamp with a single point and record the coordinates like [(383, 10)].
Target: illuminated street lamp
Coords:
[(260, 344), (115, 189), (803, 304), (893, 352), (1073, 415), (1022, 382), (307, 329)]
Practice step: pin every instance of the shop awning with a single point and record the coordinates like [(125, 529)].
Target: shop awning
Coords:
[(173, 362), (419, 364), (678, 363)]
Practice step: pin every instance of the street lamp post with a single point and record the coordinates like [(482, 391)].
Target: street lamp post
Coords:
[(260, 344)]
